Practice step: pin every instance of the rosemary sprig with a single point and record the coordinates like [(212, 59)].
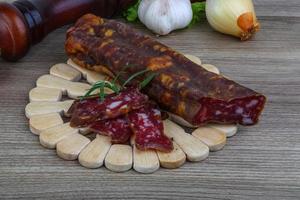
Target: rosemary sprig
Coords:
[(117, 77), (101, 85), (134, 76), (102, 94), (147, 80)]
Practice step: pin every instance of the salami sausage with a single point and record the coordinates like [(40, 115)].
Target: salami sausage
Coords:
[(180, 87)]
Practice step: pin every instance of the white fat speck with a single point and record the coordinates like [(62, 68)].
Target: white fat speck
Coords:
[(239, 110), (149, 136), (127, 98), (218, 112), (145, 118), (124, 107), (247, 120), (156, 112), (114, 104), (142, 116), (252, 103)]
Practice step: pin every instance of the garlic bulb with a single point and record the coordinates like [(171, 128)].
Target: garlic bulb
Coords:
[(164, 16), (233, 17)]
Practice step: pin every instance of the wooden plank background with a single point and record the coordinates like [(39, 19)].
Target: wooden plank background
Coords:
[(261, 162)]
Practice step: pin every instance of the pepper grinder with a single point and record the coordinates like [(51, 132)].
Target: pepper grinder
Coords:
[(24, 23)]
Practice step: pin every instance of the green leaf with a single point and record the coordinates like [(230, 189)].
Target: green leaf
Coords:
[(198, 12), (147, 80), (102, 93), (134, 76), (117, 77), (131, 14), (101, 85), (94, 87)]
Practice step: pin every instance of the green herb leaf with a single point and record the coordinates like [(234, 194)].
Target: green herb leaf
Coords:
[(94, 87), (102, 94), (134, 76), (101, 85), (117, 77), (147, 80), (131, 14), (198, 12)]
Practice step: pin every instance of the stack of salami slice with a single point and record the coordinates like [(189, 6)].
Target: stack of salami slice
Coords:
[(121, 116)]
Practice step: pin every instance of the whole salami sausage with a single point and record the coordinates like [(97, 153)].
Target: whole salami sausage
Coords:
[(180, 87)]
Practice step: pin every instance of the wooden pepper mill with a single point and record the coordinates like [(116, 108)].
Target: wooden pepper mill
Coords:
[(26, 22)]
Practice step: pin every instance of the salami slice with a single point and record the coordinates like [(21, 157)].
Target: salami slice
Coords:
[(118, 129), (147, 126), (85, 112)]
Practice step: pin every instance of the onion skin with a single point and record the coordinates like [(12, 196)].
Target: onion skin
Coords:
[(233, 17), (247, 24)]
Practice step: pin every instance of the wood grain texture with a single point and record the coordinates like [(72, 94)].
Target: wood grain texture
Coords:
[(260, 162)]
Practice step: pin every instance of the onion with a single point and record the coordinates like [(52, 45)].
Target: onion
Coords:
[(233, 17)]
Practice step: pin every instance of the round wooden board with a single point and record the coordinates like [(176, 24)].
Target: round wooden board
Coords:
[(46, 109)]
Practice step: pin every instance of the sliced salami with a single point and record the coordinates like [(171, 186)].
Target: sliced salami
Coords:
[(85, 112), (118, 129), (146, 124)]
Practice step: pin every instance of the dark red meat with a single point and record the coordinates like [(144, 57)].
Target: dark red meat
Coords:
[(148, 128), (180, 87), (85, 112), (244, 111), (118, 129)]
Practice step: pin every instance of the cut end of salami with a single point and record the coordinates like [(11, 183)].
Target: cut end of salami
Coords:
[(245, 111)]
